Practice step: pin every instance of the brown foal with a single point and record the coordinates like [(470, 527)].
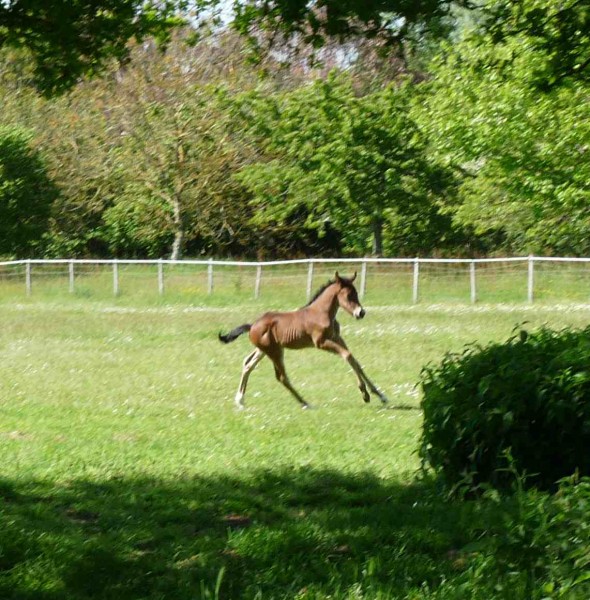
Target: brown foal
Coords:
[(314, 325)]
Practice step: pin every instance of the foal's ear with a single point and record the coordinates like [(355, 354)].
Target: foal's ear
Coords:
[(337, 277), (353, 277)]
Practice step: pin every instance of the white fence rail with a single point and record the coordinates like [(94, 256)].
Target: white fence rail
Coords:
[(516, 275)]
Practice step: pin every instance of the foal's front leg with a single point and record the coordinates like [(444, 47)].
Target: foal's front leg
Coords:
[(361, 373), (338, 346)]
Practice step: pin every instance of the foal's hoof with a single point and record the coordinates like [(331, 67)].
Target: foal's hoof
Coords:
[(306, 407)]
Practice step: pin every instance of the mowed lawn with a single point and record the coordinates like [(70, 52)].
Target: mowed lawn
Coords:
[(126, 471)]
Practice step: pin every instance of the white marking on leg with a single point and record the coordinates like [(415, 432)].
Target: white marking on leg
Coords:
[(240, 401), (250, 363)]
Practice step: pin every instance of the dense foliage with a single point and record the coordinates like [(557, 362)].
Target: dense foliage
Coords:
[(26, 193), (523, 154), (470, 137), (69, 39), (558, 32), (359, 162), (520, 406)]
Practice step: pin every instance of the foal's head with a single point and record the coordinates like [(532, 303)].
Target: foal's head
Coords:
[(348, 298)]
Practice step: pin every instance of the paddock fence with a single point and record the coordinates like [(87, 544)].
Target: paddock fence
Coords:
[(379, 280)]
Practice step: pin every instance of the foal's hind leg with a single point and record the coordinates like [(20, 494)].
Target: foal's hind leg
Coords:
[(277, 358), (250, 363)]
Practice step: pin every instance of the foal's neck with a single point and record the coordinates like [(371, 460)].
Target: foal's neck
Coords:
[(327, 301)]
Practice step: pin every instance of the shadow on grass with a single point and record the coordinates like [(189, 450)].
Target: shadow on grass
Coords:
[(268, 535)]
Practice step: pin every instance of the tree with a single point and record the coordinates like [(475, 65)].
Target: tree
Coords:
[(69, 39), (26, 193), (76, 137), (358, 162), (180, 160), (523, 156), (110, 148), (174, 155), (558, 32), (318, 21)]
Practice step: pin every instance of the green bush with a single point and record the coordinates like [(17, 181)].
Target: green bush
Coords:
[(521, 405)]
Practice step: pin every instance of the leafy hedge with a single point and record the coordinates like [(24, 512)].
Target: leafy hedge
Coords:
[(521, 405)]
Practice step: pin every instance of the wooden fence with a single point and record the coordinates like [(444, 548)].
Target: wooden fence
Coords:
[(414, 267)]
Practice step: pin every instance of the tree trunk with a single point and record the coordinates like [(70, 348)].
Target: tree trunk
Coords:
[(178, 230), (377, 225), (177, 245)]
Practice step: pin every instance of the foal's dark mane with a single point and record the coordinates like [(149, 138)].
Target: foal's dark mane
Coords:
[(319, 292), (322, 289)]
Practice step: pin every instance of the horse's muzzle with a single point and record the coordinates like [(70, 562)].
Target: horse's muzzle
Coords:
[(359, 312)]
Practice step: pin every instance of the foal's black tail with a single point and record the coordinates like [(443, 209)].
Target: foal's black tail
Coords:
[(234, 333)]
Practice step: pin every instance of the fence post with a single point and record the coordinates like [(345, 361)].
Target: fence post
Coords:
[(210, 276), (257, 283), (160, 277), (531, 279), (115, 277), (309, 279), (415, 288), (28, 276), (472, 282), (71, 275), (363, 285)]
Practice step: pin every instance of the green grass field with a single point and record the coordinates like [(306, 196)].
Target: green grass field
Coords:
[(127, 473)]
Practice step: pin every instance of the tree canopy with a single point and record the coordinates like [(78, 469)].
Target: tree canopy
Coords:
[(69, 39), (358, 162), (558, 32), (524, 154)]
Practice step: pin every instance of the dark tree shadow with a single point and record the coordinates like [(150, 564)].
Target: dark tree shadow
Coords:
[(274, 533)]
